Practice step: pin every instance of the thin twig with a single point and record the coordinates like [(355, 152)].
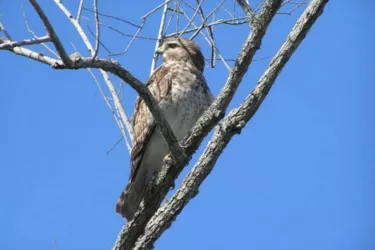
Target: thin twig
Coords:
[(247, 9), (236, 21), (79, 13), (210, 33), (143, 22), (160, 36), (105, 98), (297, 5), (178, 16), (174, 11), (210, 42), (2, 28), (97, 29), (155, 9), (118, 31), (114, 146), (113, 17), (101, 43), (192, 18)]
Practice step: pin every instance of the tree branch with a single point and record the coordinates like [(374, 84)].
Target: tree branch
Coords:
[(97, 28), (6, 44), (79, 12), (247, 9), (160, 36), (231, 125), (51, 32), (35, 56)]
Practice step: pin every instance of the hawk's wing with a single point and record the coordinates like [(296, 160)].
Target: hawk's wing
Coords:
[(159, 85)]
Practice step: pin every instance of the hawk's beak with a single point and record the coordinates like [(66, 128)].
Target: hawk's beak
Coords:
[(159, 50)]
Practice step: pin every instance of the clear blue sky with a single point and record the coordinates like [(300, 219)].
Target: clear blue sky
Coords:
[(300, 176)]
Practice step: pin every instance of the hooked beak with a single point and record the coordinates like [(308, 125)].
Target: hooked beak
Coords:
[(159, 50)]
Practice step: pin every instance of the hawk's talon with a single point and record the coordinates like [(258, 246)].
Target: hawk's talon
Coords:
[(167, 158)]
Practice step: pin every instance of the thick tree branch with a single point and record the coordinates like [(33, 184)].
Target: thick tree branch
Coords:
[(161, 184), (51, 32), (230, 126)]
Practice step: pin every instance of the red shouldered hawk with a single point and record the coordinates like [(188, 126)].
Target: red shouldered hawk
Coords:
[(180, 89)]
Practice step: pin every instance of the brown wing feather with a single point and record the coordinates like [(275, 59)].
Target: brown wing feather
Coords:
[(144, 124)]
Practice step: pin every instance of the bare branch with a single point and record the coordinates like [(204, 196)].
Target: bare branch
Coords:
[(35, 56), (143, 22), (120, 32), (100, 42), (51, 32), (297, 5), (2, 28), (192, 18), (235, 21), (214, 48), (6, 44), (155, 9), (97, 27), (247, 9), (114, 17), (79, 13), (119, 123), (160, 36)]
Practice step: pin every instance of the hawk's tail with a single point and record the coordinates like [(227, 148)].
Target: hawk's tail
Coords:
[(129, 200)]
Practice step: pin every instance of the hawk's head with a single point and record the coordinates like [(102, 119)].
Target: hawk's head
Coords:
[(181, 49)]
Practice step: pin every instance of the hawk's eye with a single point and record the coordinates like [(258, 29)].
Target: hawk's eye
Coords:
[(172, 45)]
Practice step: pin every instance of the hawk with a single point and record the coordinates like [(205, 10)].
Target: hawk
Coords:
[(180, 89)]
